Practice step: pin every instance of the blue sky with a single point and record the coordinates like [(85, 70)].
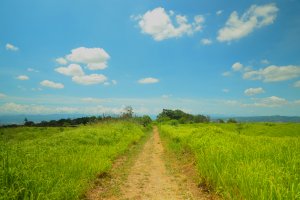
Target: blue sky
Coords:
[(95, 57)]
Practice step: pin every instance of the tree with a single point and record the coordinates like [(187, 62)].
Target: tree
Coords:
[(181, 117), (231, 120), (220, 121), (128, 112)]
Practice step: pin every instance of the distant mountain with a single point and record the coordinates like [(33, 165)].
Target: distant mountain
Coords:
[(275, 118)]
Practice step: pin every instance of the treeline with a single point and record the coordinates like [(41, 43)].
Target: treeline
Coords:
[(127, 114), (144, 120), (178, 116)]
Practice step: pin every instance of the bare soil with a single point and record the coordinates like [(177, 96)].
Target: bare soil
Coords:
[(149, 178)]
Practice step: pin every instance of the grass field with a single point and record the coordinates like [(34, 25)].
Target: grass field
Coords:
[(60, 163), (243, 161)]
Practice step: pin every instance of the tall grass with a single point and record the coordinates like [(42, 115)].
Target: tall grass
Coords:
[(59, 163), (240, 166)]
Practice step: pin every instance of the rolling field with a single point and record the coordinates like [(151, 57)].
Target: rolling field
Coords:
[(242, 161), (60, 163)]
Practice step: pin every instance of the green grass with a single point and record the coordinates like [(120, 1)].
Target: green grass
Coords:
[(60, 163), (257, 161)]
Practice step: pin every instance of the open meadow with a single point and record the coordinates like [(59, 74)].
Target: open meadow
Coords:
[(60, 163), (242, 161)]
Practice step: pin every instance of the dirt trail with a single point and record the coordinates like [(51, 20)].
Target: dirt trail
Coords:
[(149, 178)]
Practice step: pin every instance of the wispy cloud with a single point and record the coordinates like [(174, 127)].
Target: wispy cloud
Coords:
[(89, 79), (51, 84), (273, 73), (11, 47), (297, 84), (148, 80), (254, 91), (206, 41), (2, 95), (219, 12), (23, 78)]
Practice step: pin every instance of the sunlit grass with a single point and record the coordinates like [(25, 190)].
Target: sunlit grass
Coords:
[(242, 166), (59, 163)]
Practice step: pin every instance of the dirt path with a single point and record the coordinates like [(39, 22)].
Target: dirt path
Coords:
[(149, 178)]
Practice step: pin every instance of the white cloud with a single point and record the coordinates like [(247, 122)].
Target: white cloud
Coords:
[(255, 17), (297, 102), (23, 77), (11, 47), (94, 58), (272, 101), (51, 84), (61, 61), (159, 25), (93, 100), (274, 73), (2, 95), (297, 84), (166, 96), (106, 83), (90, 79), (219, 12), (114, 82), (226, 73), (254, 91), (148, 80), (237, 66), (71, 70), (34, 109), (225, 90), (32, 70), (206, 41), (265, 61), (36, 89)]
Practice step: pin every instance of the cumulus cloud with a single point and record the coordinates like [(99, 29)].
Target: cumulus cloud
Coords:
[(71, 70), (23, 77), (273, 73), (255, 17), (206, 41), (237, 66), (51, 84), (159, 24), (225, 90), (94, 58), (90, 79), (11, 47), (297, 84), (148, 80), (2, 95), (254, 91), (61, 61)]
